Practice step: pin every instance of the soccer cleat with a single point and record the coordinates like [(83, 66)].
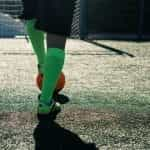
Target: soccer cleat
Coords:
[(48, 108), (47, 112), (60, 98)]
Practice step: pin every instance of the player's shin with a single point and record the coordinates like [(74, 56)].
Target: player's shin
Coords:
[(53, 65)]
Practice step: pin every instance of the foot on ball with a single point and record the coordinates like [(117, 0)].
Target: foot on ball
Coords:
[(61, 98)]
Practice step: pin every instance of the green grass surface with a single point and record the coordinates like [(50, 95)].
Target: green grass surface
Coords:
[(109, 92), (112, 120)]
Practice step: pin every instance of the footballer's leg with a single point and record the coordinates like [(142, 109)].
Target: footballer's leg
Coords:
[(37, 42), (53, 64)]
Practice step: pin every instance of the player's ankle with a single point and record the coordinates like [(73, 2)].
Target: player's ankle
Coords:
[(49, 108), (44, 108)]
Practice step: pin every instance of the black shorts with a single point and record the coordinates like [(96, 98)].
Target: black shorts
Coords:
[(52, 16)]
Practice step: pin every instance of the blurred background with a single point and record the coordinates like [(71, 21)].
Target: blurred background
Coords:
[(98, 19)]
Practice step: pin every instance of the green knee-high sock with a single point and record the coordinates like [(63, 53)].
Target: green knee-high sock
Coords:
[(53, 65), (37, 41)]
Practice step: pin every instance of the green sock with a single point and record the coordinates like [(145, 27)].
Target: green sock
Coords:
[(53, 65), (37, 41)]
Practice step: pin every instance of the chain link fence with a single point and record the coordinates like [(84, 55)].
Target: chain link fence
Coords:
[(98, 19)]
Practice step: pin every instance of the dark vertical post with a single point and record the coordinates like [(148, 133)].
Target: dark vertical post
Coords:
[(83, 19), (140, 18)]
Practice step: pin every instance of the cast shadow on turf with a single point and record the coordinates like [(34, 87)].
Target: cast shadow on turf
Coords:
[(117, 51), (51, 136)]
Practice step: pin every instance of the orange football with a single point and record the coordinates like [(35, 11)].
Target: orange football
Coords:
[(60, 83)]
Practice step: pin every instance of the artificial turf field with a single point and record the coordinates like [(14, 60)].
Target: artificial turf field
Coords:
[(108, 83)]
